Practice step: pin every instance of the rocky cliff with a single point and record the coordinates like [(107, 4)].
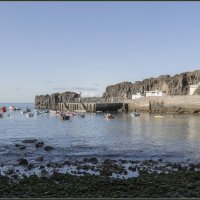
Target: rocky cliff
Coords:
[(51, 101), (171, 85)]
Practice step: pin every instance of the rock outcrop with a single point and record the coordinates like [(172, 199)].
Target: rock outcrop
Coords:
[(51, 101), (170, 85)]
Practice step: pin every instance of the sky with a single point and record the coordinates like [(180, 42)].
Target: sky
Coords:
[(49, 47)]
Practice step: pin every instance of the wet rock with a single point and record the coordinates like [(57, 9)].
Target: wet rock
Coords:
[(29, 141), (93, 160), (48, 148), (22, 147), (22, 161), (39, 144), (124, 161), (133, 169), (10, 172), (40, 158), (85, 160), (67, 163), (30, 166), (86, 167)]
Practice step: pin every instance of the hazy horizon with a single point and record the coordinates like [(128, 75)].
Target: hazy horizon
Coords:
[(49, 47)]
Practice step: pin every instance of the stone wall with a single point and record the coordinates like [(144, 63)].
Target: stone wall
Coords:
[(169, 104)]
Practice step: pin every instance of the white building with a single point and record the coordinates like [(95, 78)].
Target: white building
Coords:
[(155, 93), (137, 96)]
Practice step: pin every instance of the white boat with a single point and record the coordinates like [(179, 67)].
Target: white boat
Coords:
[(29, 114), (135, 114), (37, 112), (109, 116), (12, 108), (158, 116), (23, 111)]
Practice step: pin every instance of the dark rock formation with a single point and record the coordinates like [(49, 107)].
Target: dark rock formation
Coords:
[(48, 148), (51, 101), (22, 161), (175, 85)]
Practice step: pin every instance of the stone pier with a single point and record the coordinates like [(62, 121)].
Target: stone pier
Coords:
[(91, 107)]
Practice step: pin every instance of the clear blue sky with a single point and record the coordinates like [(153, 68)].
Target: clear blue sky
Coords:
[(48, 47)]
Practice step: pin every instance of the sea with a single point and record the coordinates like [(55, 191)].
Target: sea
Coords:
[(150, 136)]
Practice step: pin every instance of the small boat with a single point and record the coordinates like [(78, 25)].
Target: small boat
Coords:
[(17, 108), (37, 112), (3, 109), (29, 114), (64, 116), (83, 115), (109, 116), (158, 116), (46, 111), (71, 114), (135, 114), (28, 110), (12, 108)]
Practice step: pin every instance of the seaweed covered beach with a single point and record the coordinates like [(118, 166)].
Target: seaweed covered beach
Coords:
[(109, 178)]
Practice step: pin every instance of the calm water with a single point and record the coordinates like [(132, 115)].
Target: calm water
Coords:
[(145, 137)]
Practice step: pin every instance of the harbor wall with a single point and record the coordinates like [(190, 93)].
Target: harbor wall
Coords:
[(169, 104), (91, 106)]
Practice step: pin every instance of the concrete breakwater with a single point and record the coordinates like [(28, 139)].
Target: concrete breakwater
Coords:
[(71, 101), (162, 104), (166, 104)]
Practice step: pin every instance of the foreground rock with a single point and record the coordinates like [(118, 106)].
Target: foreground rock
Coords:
[(22, 161), (175, 185)]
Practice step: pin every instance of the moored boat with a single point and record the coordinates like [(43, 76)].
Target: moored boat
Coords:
[(37, 112), (135, 114), (3, 109), (13, 108), (109, 116), (29, 114)]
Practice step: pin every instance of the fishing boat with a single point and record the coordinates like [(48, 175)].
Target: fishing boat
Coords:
[(46, 111), (135, 114), (109, 116), (3, 109), (83, 115), (37, 112), (29, 114), (64, 116), (13, 108)]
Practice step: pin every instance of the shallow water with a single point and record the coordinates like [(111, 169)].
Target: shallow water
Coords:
[(137, 138)]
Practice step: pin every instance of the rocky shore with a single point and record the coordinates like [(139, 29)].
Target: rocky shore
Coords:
[(183, 182), (96, 177)]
